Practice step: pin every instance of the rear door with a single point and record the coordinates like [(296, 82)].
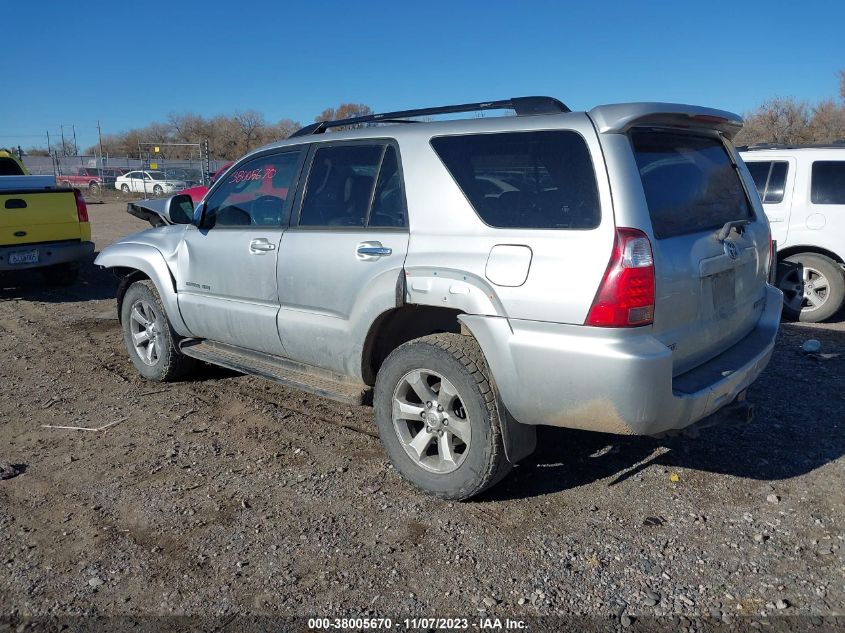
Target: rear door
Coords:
[(775, 180), (342, 260), (710, 291)]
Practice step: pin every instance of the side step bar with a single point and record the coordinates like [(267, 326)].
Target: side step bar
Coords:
[(281, 370)]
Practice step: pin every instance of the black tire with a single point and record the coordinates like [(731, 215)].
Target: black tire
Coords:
[(61, 275), (459, 359), (157, 190), (124, 188), (790, 275), (94, 188), (170, 363)]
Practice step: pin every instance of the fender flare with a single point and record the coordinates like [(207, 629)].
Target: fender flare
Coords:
[(149, 261)]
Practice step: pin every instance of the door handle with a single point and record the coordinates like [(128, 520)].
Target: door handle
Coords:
[(372, 250), (260, 245)]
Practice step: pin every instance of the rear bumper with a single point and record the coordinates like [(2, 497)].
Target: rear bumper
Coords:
[(50, 254), (614, 381)]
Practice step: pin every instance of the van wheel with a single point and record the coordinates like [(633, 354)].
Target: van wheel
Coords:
[(436, 414), (150, 340), (813, 287)]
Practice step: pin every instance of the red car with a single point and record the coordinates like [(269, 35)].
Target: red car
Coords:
[(198, 192), (90, 178)]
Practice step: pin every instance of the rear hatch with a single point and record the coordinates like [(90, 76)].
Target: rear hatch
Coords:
[(710, 288), (32, 217)]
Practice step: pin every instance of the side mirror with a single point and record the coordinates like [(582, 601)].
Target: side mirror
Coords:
[(179, 209)]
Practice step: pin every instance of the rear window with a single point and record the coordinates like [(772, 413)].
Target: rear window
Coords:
[(769, 178), (827, 184), (525, 180), (690, 182)]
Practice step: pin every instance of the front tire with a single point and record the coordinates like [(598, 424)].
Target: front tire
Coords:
[(157, 190), (94, 188), (150, 339), (435, 409), (813, 287)]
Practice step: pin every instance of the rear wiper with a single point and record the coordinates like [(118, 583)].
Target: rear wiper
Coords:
[(725, 231)]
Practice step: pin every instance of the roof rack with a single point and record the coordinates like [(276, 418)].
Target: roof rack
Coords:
[(840, 144), (521, 105)]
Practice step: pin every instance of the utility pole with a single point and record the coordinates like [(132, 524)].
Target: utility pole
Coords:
[(75, 146), (62, 129), (100, 137), (49, 149)]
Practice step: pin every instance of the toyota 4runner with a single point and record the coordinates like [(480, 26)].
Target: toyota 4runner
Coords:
[(602, 270)]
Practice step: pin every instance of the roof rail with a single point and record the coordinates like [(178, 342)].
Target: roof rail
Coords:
[(521, 105), (838, 144)]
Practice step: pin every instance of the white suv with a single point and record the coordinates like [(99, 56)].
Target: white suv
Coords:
[(803, 194)]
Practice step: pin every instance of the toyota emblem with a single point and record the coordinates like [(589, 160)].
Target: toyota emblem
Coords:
[(731, 250)]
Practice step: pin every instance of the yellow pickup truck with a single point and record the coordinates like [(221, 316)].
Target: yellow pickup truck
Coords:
[(41, 225)]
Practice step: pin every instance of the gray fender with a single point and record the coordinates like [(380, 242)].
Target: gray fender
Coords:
[(149, 261)]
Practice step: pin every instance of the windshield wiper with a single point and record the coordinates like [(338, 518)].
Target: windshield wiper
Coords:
[(725, 231)]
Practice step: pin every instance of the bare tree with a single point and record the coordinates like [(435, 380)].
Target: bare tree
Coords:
[(827, 124), (779, 120)]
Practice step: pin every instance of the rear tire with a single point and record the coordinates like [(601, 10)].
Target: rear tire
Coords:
[(152, 343), (446, 440), (813, 287), (124, 188), (61, 275)]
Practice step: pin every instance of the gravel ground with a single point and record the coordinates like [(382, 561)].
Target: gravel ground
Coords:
[(226, 494)]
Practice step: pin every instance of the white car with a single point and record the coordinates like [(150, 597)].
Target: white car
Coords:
[(803, 194), (148, 182)]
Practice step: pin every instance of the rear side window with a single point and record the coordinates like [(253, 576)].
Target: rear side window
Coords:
[(354, 185), (770, 179), (690, 182), (827, 183), (525, 180)]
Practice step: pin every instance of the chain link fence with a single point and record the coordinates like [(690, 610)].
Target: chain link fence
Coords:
[(104, 170)]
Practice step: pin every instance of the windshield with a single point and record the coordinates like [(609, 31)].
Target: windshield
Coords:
[(690, 182)]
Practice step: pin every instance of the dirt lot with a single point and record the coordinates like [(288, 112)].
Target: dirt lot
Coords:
[(226, 494)]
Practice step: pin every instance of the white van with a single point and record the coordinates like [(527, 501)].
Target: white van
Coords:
[(803, 194)]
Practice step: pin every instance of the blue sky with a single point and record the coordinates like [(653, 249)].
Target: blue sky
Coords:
[(131, 63)]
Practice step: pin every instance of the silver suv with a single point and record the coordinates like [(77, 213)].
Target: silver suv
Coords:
[(602, 270)]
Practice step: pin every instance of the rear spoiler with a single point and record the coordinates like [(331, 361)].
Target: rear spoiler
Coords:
[(616, 118)]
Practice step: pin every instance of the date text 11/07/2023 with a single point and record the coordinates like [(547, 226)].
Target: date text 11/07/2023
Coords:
[(413, 624)]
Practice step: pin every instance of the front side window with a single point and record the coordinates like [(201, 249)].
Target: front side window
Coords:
[(356, 185), (689, 181), (254, 194), (770, 179), (827, 182), (525, 180)]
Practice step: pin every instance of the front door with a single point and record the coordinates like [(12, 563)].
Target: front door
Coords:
[(341, 263), (226, 276)]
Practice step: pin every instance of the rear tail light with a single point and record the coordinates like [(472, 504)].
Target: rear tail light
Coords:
[(626, 295), (81, 207)]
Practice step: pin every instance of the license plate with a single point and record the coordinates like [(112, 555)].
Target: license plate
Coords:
[(24, 257), (724, 289)]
